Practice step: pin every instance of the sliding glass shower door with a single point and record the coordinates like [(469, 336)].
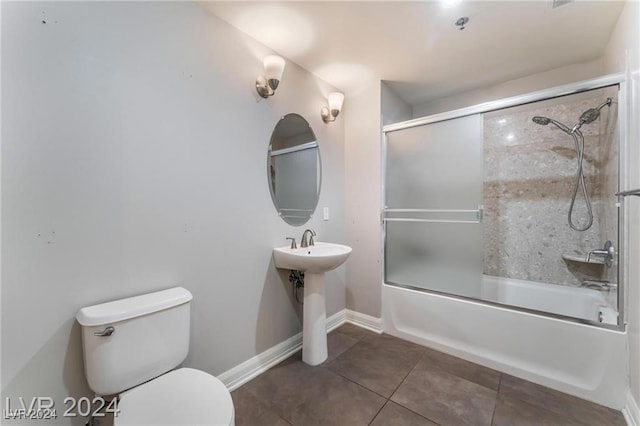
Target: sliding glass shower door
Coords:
[(485, 206), (432, 210)]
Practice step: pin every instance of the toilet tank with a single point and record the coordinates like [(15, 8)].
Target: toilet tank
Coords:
[(150, 337)]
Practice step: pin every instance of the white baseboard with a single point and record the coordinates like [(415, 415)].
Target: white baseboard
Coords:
[(365, 321), (242, 373), (631, 412), (336, 320)]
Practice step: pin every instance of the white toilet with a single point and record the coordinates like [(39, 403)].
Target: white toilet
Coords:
[(131, 347)]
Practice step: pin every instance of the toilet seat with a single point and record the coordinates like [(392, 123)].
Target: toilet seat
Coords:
[(180, 397)]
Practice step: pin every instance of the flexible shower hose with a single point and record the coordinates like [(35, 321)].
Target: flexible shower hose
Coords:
[(579, 181)]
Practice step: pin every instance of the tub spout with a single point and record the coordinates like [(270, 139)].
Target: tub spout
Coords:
[(608, 252)]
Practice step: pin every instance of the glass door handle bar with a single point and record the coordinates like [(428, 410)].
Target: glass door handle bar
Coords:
[(429, 211), (479, 213), (635, 192), (402, 219)]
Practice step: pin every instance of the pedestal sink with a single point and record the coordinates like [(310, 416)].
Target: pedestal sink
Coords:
[(314, 261)]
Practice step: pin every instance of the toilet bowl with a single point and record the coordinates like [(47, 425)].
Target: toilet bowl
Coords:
[(183, 396), (131, 349)]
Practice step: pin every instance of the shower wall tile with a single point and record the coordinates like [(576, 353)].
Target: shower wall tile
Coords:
[(529, 176)]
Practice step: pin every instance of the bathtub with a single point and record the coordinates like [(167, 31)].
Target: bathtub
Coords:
[(579, 359), (576, 302)]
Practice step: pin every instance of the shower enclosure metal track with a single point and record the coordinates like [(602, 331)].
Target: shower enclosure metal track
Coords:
[(556, 92)]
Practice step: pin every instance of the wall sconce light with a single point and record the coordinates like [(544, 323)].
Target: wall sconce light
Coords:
[(273, 69), (335, 106)]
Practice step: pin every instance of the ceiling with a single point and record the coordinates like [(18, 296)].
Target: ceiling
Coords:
[(416, 46)]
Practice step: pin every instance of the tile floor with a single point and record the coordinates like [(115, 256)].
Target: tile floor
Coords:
[(372, 379)]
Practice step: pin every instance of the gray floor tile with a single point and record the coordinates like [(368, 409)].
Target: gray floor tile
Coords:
[(337, 344), (376, 369), (336, 401), (582, 411), (395, 415), (425, 387), (284, 386), (250, 411), (353, 331), (510, 412), (395, 345), (446, 399), (467, 370)]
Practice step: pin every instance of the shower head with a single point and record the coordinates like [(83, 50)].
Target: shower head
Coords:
[(591, 115), (543, 121)]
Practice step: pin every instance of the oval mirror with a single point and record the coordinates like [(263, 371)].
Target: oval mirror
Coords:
[(294, 169)]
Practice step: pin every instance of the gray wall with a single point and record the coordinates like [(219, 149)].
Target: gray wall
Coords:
[(134, 157), (364, 115), (394, 109), (362, 200)]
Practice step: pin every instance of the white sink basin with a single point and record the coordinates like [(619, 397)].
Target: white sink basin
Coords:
[(317, 259)]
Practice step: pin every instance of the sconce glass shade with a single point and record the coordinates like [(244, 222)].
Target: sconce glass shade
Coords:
[(273, 68), (335, 102), (335, 106)]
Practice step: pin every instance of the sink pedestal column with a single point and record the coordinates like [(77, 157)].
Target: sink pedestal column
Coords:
[(314, 321)]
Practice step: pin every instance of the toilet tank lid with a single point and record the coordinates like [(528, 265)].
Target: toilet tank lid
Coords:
[(131, 307)]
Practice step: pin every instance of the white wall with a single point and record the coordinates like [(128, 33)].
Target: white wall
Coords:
[(134, 158), (622, 54), (531, 83)]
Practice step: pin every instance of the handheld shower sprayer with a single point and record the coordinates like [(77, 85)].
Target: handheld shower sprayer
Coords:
[(543, 121), (587, 117)]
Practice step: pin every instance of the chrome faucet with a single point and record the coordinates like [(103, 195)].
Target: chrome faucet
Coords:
[(608, 253), (304, 242)]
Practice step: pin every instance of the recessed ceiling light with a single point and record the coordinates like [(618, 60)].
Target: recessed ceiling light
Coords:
[(461, 22), (449, 3)]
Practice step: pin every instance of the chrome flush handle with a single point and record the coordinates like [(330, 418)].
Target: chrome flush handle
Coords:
[(106, 332)]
